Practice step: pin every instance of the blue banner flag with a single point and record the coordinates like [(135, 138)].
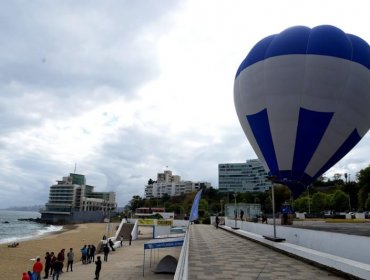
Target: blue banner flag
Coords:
[(194, 207)]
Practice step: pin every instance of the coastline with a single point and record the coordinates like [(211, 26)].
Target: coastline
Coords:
[(14, 261), (57, 229)]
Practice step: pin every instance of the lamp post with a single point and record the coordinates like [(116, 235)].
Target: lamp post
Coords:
[(235, 212), (273, 208), (309, 201), (349, 202)]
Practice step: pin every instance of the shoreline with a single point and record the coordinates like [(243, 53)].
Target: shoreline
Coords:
[(30, 237), (14, 261)]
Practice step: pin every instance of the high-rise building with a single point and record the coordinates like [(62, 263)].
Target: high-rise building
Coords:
[(171, 185), (243, 177), (71, 200)]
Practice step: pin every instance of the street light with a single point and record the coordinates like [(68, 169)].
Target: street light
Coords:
[(274, 238), (309, 201), (235, 212), (272, 179), (221, 201)]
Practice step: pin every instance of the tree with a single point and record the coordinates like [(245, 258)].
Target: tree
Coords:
[(136, 202), (301, 204), (339, 201), (282, 194), (363, 177), (337, 176), (320, 202), (367, 203)]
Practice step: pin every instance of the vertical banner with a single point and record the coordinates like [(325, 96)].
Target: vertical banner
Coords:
[(194, 207)]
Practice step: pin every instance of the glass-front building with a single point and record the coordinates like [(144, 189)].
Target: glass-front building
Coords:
[(243, 177)]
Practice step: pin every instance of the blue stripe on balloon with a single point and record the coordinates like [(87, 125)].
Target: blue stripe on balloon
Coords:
[(321, 40), (347, 145), (361, 50), (297, 187), (256, 54), (260, 127), (311, 128)]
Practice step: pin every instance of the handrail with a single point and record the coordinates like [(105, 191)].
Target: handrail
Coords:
[(182, 265)]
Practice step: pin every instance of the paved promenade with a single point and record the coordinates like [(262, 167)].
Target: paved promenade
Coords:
[(214, 254), (217, 254), (126, 263)]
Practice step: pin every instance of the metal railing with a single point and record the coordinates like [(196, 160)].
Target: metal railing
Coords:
[(182, 265)]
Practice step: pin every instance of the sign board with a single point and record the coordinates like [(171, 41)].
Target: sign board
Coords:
[(164, 243), (164, 222)]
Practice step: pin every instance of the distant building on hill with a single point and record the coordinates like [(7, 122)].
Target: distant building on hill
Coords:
[(72, 201), (171, 185), (243, 177)]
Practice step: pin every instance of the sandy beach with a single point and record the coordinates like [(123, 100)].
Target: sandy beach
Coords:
[(14, 261)]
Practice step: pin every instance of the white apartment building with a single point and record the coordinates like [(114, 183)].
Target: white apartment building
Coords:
[(170, 184), (71, 197), (243, 177)]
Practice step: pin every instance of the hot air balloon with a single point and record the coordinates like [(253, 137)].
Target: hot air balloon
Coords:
[(303, 100)]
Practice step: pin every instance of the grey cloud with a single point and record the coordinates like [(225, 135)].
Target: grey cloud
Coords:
[(69, 45)]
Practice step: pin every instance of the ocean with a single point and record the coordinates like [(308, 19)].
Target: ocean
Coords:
[(13, 230)]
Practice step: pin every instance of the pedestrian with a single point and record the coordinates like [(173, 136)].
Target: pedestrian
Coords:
[(104, 237), (264, 219), (98, 267), (58, 266), (25, 276), (130, 239), (106, 252), (111, 245), (121, 240), (92, 255), (241, 214), (31, 275), (37, 269), (217, 221), (70, 257), (84, 254), (52, 262), (88, 256), (47, 265), (61, 257)]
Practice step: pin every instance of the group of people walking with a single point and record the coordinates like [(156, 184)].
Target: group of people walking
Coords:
[(88, 254), (52, 266)]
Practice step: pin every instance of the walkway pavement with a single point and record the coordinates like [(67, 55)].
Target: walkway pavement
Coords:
[(213, 254), (126, 263), (217, 254)]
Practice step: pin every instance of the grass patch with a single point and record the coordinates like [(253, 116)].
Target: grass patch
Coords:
[(353, 221)]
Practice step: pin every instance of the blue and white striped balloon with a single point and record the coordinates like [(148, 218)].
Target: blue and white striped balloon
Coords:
[(303, 100)]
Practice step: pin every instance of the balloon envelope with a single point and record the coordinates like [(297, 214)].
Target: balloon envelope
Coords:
[(303, 100)]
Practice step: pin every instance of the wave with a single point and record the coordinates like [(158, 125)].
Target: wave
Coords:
[(31, 235), (49, 229)]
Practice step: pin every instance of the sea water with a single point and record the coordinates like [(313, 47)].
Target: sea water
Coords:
[(13, 230)]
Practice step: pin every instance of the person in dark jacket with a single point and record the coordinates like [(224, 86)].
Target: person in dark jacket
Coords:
[(61, 257), (111, 244), (92, 255), (52, 262), (106, 252), (58, 265), (98, 267), (47, 265)]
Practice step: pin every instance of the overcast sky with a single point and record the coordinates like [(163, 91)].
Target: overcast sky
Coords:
[(123, 89)]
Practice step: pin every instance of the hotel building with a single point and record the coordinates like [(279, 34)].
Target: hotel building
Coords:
[(71, 200), (243, 177), (171, 185)]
